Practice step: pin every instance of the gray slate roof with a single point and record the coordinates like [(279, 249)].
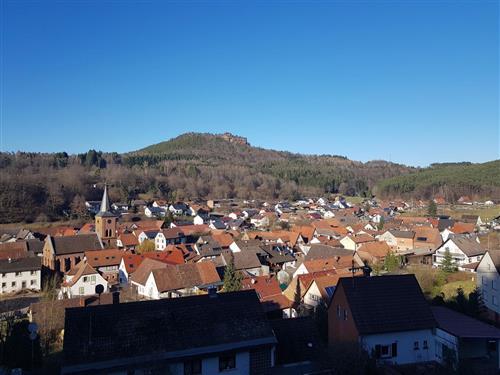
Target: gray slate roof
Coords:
[(391, 303), (320, 251), (75, 244), (33, 263)]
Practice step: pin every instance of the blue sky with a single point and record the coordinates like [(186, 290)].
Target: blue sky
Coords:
[(411, 81)]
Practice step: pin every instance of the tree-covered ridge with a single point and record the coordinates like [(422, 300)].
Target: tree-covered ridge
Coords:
[(451, 180), (193, 165)]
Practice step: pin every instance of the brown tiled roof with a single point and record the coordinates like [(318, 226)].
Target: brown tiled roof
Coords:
[(386, 304), (13, 250), (402, 233), (431, 235), (103, 258), (185, 276), (172, 233), (128, 239), (460, 228), (469, 246), (141, 274), (224, 239), (265, 286), (378, 249), (81, 269)]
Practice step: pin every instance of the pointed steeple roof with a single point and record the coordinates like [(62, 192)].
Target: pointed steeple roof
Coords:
[(105, 207), (105, 200)]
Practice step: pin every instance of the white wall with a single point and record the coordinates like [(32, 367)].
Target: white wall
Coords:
[(32, 280), (405, 343), (87, 285), (459, 257), (488, 282), (209, 366)]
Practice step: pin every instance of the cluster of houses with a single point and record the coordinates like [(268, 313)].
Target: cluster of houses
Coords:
[(293, 258)]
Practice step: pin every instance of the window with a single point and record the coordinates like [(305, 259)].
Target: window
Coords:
[(494, 300), (33, 282), (13, 284), (85, 279), (415, 346), (32, 273), (4, 274), (483, 279), (92, 279), (23, 284), (425, 345), (227, 362), (386, 351), (338, 311), (4, 285), (192, 367), (494, 284), (345, 314), (81, 290), (18, 274)]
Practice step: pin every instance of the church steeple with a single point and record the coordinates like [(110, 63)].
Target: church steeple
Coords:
[(105, 200), (105, 220)]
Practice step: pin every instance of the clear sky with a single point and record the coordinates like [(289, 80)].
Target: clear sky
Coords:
[(410, 81)]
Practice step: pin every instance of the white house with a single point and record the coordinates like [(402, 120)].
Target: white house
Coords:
[(82, 280), (20, 274), (200, 219), (465, 251), (379, 313), (154, 212), (147, 235), (170, 281), (460, 338), (488, 281), (170, 236)]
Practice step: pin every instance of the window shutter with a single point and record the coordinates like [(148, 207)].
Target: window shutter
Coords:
[(394, 349), (377, 351)]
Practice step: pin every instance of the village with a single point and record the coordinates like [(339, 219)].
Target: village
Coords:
[(204, 287)]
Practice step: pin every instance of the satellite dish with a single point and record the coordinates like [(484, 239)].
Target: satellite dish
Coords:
[(99, 289), (32, 328)]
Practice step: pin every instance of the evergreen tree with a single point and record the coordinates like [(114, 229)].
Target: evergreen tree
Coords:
[(432, 208), (232, 278), (391, 262), (448, 264), (381, 223)]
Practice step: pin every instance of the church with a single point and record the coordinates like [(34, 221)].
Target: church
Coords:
[(106, 222)]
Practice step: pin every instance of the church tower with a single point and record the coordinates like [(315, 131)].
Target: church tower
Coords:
[(105, 220)]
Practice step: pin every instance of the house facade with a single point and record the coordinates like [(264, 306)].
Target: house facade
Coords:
[(378, 313), (463, 249), (224, 346), (488, 282), (20, 274)]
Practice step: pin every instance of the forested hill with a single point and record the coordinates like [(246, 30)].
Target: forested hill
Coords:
[(315, 174), (450, 180), (193, 165)]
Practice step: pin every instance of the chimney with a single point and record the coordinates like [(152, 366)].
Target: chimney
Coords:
[(116, 298)]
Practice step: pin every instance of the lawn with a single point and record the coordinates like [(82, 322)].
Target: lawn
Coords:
[(450, 290)]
